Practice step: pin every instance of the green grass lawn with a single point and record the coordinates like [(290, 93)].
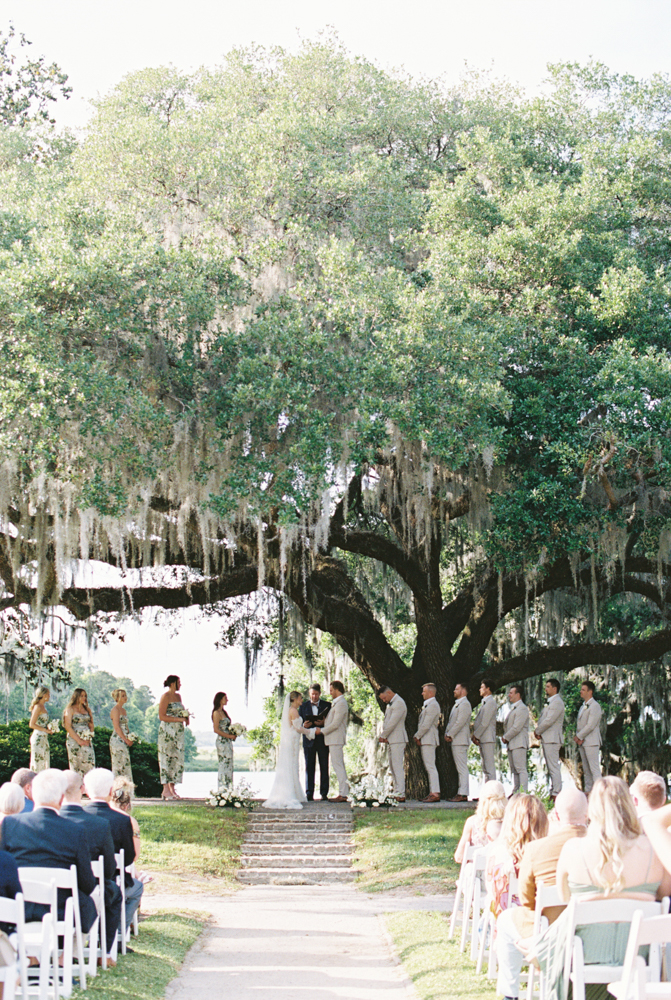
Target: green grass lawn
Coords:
[(437, 968), (164, 940), (407, 848), (190, 843)]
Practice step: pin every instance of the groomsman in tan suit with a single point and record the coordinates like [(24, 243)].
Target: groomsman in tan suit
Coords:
[(458, 735), (516, 738), (549, 731), (335, 737), (588, 736), (484, 729), (395, 736), (426, 737)]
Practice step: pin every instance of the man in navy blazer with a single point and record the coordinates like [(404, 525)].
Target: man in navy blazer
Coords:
[(98, 784), (315, 749), (43, 839), (99, 836)]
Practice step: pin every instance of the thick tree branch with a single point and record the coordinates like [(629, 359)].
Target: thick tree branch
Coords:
[(563, 658)]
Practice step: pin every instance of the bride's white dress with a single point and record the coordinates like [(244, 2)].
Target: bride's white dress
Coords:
[(287, 792)]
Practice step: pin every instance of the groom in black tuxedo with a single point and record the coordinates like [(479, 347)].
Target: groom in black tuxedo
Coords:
[(311, 711)]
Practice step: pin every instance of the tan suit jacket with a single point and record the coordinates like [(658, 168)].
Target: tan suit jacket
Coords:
[(459, 723), (588, 726), (393, 729), (551, 722), (334, 729), (539, 861), (427, 726), (484, 727)]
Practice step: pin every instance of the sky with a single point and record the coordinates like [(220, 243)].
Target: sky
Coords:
[(97, 42)]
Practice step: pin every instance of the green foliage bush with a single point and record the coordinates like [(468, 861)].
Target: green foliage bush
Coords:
[(15, 753)]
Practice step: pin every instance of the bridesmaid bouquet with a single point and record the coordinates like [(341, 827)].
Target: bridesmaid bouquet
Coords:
[(237, 729), (133, 737), (241, 797), (183, 713), (372, 792), (53, 726)]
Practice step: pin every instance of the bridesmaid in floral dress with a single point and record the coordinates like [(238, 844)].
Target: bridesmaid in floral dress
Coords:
[(119, 740), (172, 719), (78, 722), (39, 738), (221, 722)]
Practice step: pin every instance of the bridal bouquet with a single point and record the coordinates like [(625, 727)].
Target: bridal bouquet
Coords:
[(241, 797), (182, 713), (53, 726), (237, 729), (372, 792)]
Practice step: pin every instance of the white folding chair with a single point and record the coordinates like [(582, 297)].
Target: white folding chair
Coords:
[(40, 937), (98, 933), (68, 928), (640, 981), (473, 897), (462, 881), (12, 912), (121, 882), (488, 931), (477, 899), (600, 911), (546, 895)]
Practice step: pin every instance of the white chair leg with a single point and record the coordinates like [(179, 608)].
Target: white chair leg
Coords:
[(458, 898), (483, 942), (477, 896)]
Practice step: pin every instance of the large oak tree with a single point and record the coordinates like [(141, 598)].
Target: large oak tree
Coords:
[(294, 323)]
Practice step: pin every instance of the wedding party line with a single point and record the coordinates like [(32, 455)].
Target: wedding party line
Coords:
[(321, 727)]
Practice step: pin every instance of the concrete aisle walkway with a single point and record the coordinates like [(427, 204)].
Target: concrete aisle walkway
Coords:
[(320, 942)]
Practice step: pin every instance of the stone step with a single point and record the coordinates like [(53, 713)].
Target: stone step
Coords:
[(302, 838), (299, 828), (314, 850), (296, 861), (288, 876)]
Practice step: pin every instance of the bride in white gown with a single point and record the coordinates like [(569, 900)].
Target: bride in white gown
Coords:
[(287, 792)]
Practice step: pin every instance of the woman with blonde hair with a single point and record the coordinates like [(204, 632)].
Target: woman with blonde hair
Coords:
[(78, 722), (485, 825), (40, 757), (525, 820), (120, 741), (614, 859)]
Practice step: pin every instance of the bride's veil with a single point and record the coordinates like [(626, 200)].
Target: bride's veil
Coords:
[(285, 725)]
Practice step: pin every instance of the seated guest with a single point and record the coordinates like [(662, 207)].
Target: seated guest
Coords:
[(43, 839), (614, 859), (11, 799), (648, 790), (98, 784), (539, 863), (122, 801), (24, 779), (525, 820), (100, 841), (485, 825)]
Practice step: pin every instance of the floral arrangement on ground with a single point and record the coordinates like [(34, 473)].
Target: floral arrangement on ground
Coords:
[(372, 793), (239, 797)]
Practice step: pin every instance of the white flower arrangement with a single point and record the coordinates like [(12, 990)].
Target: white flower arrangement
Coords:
[(133, 737), (182, 713), (53, 726), (237, 729), (372, 793), (241, 797)]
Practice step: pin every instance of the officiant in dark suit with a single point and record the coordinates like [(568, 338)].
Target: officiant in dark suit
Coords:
[(314, 710)]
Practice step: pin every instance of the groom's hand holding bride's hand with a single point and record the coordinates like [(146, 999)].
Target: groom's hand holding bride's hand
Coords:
[(318, 732)]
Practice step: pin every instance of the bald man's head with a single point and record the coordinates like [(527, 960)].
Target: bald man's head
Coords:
[(571, 806)]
